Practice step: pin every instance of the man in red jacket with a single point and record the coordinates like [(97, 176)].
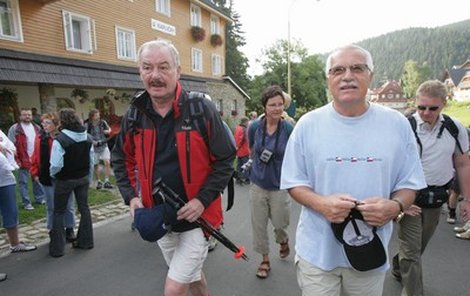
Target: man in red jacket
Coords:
[(22, 134), (159, 140)]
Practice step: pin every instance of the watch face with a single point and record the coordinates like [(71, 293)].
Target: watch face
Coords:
[(400, 216)]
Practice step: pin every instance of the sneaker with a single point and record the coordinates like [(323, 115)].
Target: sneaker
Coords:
[(28, 207), (108, 185), (460, 229), (450, 220), (464, 235), (3, 276), (22, 247), (42, 202), (99, 185), (212, 243)]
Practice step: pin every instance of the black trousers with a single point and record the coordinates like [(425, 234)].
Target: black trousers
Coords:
[(62, 191)]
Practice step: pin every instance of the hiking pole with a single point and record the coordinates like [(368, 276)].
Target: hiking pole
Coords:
[(171, 197)]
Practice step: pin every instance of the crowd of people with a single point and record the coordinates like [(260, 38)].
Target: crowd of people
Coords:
[(356, 168)]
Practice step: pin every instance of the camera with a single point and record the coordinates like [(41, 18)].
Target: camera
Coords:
[(265, 155)]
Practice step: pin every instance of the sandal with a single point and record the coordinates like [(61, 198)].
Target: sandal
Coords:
[(263, 270), (285, 250)]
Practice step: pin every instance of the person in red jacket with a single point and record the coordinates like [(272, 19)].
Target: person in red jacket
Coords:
[(22, 134), (159, 138), (243, 150), (40, 162)]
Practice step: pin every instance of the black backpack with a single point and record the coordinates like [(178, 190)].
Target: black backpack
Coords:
[(448, 124), (196, 112)]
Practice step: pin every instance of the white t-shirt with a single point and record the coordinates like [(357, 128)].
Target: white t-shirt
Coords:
[(437, 156), (373, 154), (7, 161), (30, 136)]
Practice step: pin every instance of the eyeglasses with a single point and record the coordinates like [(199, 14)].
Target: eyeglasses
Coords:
[(430, 108), (355, 69)]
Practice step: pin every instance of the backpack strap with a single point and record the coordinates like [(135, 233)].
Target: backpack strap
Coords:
[(196, 112), (414, 126), (449, 125)]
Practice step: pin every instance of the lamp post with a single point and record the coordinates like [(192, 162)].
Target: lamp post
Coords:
[(289, 82)]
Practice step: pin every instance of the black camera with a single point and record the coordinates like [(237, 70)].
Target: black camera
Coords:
[(265, 155)]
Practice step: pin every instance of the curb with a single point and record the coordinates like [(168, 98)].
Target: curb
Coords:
[(37, 233)]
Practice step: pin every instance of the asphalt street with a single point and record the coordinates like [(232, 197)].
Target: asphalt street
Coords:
[(123, 264)]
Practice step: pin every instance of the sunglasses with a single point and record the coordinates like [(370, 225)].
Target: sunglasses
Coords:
[(430, 108)]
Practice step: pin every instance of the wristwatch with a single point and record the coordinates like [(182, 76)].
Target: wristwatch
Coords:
[(401, 214)]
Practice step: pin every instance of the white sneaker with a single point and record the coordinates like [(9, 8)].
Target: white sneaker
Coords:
[(465, 227), (28, 207), (464, 235), (22, 247), (450, 220)]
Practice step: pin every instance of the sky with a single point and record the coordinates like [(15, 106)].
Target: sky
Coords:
[(323, 25)]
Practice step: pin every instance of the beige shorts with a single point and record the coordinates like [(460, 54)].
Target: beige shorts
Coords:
[(184, 254), (339, 281)]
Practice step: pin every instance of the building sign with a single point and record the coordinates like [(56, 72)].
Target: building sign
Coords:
[(162, 27)]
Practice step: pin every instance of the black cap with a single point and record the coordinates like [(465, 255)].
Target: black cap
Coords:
[(362, 246)]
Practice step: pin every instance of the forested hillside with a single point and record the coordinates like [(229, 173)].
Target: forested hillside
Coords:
[(440, 48)]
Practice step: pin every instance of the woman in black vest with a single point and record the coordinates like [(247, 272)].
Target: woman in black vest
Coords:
[(40, 162), (71, 165)]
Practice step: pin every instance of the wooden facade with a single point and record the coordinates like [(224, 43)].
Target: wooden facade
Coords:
[(391, 95), (43, 49)]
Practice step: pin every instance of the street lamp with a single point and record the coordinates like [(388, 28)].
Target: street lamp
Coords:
[(289, 79), (289, 83)]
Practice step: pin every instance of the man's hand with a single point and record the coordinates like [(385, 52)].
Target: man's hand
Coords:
[(135, 203), (413, 210), (336, 207), (378, 210), (191, 211)]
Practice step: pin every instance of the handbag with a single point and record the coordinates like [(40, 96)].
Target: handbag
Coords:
[(432, 197), (153, 223)]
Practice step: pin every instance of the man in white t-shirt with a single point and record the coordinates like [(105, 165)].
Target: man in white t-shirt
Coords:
[(347, 157), (22, 134)]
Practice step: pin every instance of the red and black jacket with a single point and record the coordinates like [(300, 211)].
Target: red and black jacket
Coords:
[(205, 169), (21, 144)]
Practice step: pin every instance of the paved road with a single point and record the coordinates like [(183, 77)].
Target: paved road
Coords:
[(122, 264)]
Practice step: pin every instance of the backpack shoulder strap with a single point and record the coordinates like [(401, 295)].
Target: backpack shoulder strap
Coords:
[(414, 127), (449, 125), (196, 112)]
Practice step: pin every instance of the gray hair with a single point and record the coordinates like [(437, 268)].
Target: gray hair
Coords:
[(366, 53), (160, 43), (433, 89)]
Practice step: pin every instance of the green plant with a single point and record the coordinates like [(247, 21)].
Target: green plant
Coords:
[(216, 40), (198, 33), (79, 94)]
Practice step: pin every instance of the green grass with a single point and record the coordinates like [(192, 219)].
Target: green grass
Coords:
[(460, 111), (95, 197)]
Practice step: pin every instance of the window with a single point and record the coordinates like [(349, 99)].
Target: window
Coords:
[(216, 64), (77, 30), (163, 6), (10, 21), (125, 42), (215, 25), (196, 60), (196, 19)]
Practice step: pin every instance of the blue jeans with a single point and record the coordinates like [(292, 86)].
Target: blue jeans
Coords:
[(38, 192), (69, 217)]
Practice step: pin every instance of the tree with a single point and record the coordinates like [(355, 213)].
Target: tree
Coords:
[(236, 63), (413, 75), (308, 80)]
